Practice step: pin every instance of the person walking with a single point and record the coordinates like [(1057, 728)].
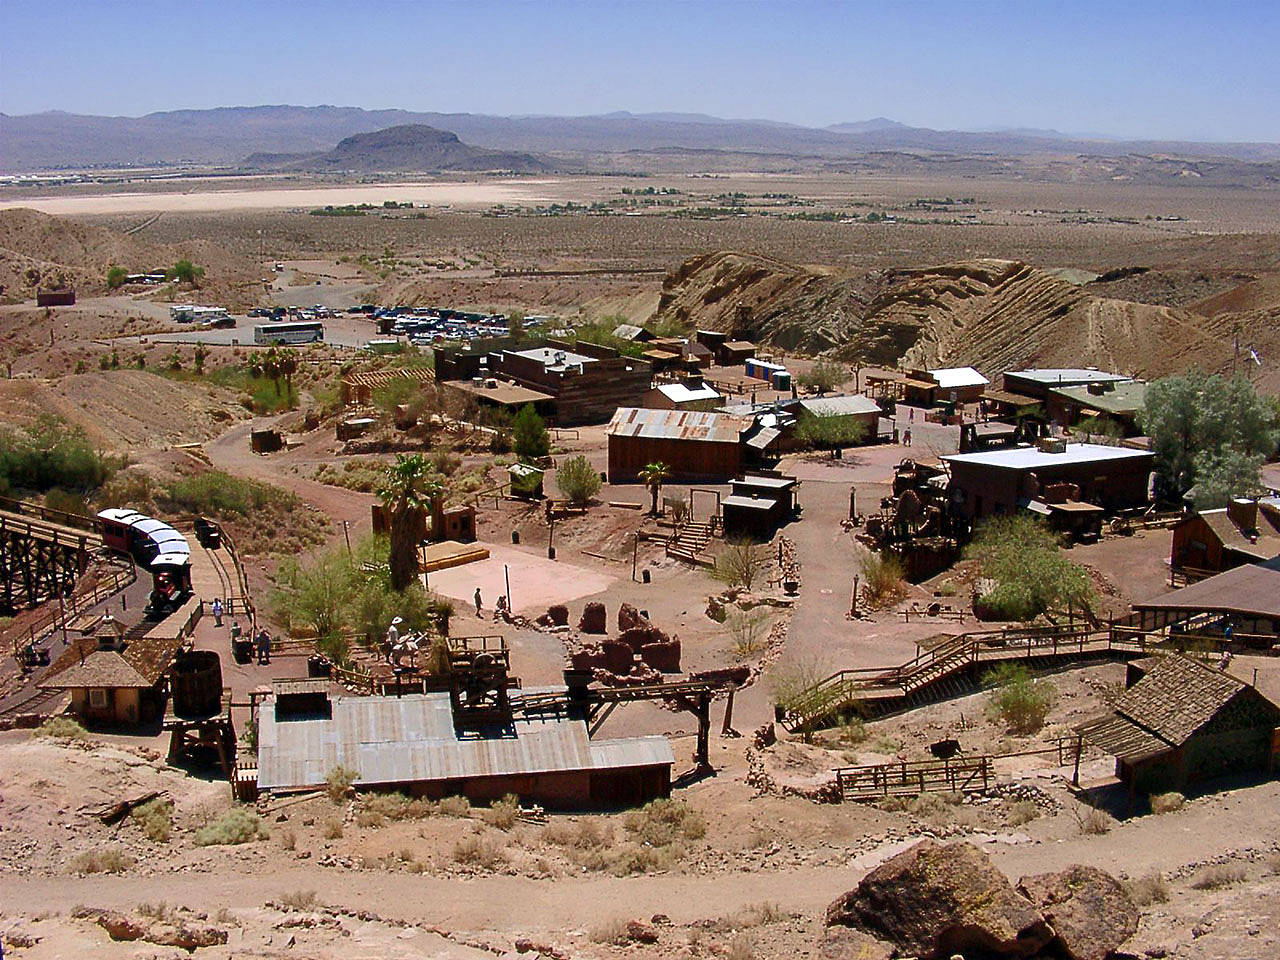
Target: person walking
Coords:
[(906, 437), (264, 647), (217, 611), (479, 605)]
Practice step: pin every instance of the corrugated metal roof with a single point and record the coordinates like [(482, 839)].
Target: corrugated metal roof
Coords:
[(675, 425), (412, 739), (762, 439)]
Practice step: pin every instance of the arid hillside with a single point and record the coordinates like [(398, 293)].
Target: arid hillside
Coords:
[(990, 313), (38, 251)]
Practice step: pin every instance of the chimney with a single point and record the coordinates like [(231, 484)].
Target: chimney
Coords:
[(1243, 513)]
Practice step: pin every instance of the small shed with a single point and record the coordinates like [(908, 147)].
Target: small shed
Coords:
[(633, 333), (758, 506), (526, 481), (65, 297), (1184, 722), (695, 445), (734, 352)]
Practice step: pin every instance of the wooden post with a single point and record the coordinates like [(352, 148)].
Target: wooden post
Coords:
[(1075, 774)]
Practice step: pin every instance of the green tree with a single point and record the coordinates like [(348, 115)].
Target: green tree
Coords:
[(1032, 574), (184, 271), (1017, 699), (826, 430), (824, 376), (1200, 423), (515, 324), (578, 480), (116, 276), (652, 476), (409, 487), (317, 593), (529, 435)]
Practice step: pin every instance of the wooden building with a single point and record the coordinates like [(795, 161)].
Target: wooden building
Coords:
[(1245, 598), (927, 388), (695, 445), (1210, 541), (1181, 722), (415, 743), (854, 411), (113, 681), (1115, 402), (688, 394), (65, 297), (759, 504), (585, 382), (1002, 481), (1037, 382)]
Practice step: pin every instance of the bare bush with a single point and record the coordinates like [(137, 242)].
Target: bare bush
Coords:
[(1218, 875), (741, 564), (1023, 811), (339, 782), (481, 853), (301, 901), (1147, 890), (1095, 822), (1167, 802), (102, 860), (333, 829), (503, 813), (236, 826), (747, 631), (454, 807), (155, 817)]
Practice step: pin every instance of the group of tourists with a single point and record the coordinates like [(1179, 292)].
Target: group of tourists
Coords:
[(261, 642)]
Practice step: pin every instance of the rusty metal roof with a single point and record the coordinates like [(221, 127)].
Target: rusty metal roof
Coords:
[(676, 425), (412, 739)]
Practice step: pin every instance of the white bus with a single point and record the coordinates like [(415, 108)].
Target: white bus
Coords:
[(271, 333)]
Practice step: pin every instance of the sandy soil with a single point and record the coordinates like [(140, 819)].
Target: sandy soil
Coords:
[(205, 201)]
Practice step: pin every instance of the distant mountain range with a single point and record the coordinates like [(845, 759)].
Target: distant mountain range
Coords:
[(227, 135), (404, 149)]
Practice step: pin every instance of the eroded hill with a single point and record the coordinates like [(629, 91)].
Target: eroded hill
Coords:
[(993, 314)]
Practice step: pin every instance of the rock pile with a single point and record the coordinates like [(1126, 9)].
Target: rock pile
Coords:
[(640, 653), (937, 901)]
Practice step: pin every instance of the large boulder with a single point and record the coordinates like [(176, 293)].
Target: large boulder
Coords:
[(1089, 910), (594, 619), (558, 613), (936, 900)]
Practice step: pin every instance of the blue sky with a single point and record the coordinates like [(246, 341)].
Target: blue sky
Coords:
[(1184, 70)]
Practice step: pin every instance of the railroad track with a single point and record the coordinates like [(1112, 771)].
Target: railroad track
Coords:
[(36, 702)]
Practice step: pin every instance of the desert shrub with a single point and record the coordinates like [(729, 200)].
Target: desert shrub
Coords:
[(299, 900), (237, 825), (102, 860), (611, 932), (156, 819), (482, 853), (748, 630), (61, 728), (289, 840), (1022, 811), (741, 564), (116, 276), (444, 461), (455, 807), (629, 858), (793, 680), (1017, 699), (885, 743), (882, 576), (825, 430), (51, 453), (215, 492), (378, 808), (1147, 890), (339, 782), (1218, 875), (742, 947), (578, 480), (333, 829), (754, 915), (660, 823), (503, 813), (160, 910), (824, 376), (1167, 802), (933, 806), (1095, 822), (579, 835)]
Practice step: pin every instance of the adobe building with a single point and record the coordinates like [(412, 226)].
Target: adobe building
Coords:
[(1210, 541), (999, 482), (1181, 722), (696, 446)]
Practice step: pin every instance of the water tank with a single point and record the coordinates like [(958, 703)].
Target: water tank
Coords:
[(196, 684)]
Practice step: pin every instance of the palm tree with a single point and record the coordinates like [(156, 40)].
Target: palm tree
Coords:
[(409, 487), (652, 476)]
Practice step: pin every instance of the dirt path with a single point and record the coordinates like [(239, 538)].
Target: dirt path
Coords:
[(1241, 819)]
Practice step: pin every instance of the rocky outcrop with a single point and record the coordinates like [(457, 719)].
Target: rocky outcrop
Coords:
[(936, 900), (1090, 911), (992, 314), (168, 932)]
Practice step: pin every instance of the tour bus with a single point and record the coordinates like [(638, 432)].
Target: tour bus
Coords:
[(288, 333)]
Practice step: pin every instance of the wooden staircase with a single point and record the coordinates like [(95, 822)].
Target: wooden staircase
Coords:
[(948, 670), (690, 541)]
